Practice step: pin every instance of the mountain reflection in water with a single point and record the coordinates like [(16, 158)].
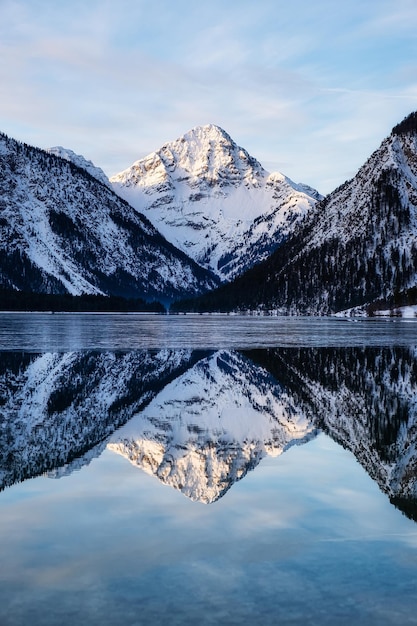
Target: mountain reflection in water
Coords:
[(199, 421)]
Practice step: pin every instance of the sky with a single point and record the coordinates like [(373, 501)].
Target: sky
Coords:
[(308, 88)]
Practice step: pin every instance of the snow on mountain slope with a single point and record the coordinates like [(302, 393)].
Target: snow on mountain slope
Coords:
[(388, 177), (211, 425), (363, 242), (64, 231), (58, 407), (214, 201), (81, 162)]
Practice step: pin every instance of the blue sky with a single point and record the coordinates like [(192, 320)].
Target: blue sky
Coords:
[(308, 88)]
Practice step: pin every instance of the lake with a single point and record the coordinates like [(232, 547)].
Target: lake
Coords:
[(207, 469)]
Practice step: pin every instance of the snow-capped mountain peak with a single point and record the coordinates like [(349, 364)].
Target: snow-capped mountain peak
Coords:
[(81, 162), (209, 153), (204, 155), (213, 200)]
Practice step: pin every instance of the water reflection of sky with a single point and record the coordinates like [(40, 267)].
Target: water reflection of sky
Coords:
[(304, 538)]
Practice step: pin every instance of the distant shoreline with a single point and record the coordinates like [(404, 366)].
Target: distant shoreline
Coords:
[(19, 301)]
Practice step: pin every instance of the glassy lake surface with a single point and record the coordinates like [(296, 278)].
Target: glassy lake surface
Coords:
[(207, 469)]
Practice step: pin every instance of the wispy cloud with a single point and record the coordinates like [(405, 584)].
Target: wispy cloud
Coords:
[(295, 83)]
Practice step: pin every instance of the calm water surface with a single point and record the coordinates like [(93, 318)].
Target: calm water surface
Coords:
[(207, 469)]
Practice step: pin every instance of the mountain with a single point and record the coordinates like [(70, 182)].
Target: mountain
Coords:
[(63, 230), (211, 425), (356, 248), (214, 201)]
